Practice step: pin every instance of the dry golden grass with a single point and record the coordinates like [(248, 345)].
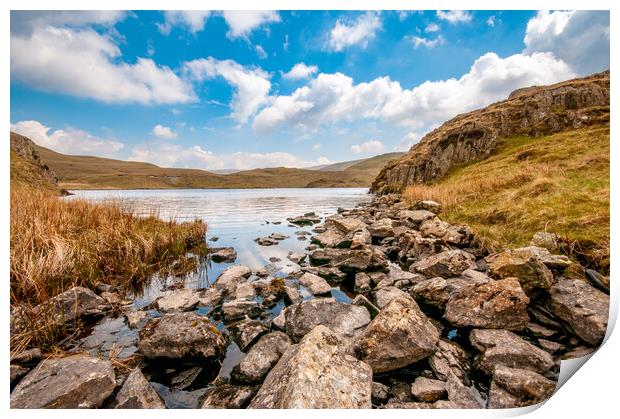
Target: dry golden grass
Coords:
[(57, 244), (557, 183)]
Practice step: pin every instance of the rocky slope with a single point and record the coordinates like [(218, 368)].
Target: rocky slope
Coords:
[(26, 166), (469, 137), (434, 322)]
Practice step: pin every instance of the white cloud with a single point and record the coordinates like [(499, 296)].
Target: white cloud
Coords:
[(251, 84), (300, 71), (241, 23), (174, 155), (372, 146), (454, 16), (331, 98), (426, 42), (194, 20), (285, 44), (345, 34), (67, 141), (491, 21), (162, 131), (432, 27), (85, 63), (316, 147), (260, 51), (24, 22), (580, 38), (407, 141)]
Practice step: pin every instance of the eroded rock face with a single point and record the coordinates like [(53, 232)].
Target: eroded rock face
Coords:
[(504, 348), (262, 357), (498, 304), (137, 393), (582, 307), (226, 396), (523, 264), (345, 320), (514, 387), (446, 264), (77, 381), (181, 335), (316, 374), (400, 335)]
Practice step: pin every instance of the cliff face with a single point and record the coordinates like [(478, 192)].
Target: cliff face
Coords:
[(531, 111), (26, 166)]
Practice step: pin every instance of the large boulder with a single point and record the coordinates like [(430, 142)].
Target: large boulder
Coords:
[(382, 228), (515, 387), (383, 296), (77, 381), (434, 227), (523, 264), (329, 238), (498, 304), (446, 264), (137, 393), (262, 357), (345, 320), (316, 374), (315, 284), (181, 335), (582, 307), (450, 359), (231, 277), (246, 332), (400, 335), (504, 348)]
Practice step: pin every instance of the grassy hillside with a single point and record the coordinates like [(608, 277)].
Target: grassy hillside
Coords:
[(557, 183), (26, 169), (83, 172)]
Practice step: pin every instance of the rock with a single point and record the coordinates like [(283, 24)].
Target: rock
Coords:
[(359, 238), (504, 348), (434, 227), (384, 296), (462, 396), (540, 330), (396, 404), (428, 390), (554, 262), (343, 224), (245, 291), (362, 283), (333, 275), (414, 218), (432, 292), (77, 381), (305, 219), (136, 318), (231, 277), (29, 356), (343, 319), (274, 259), (446, 264), (280, 320), (181, 335), (178, 301), (545, 240), (292, 295), (450, 359), (246, 332), (431, 206), (551, 347), (513, 387), (400, 335), (582, 307), (297, 258), (316, 374), (224, 254), (382, 228), (380, 393), (266, 241), (522, 264), (328, 238), (578, 352), (137, 393), (500, 304), (102, 287), (226, 396), (597, 280), (238, 309), (278, 236), (261, 358), (315, 284), (16, 373), (360, 300), (211, 296)]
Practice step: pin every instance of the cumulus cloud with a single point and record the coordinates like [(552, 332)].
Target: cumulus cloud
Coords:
[(331, 98), (25, 21), (193, 20), (454, 16), (580, 38), (174, 155), (251, 85), (260, 51), (300, 71), (407, 141), (358, 32), (67, 141), (491, 21), (418, 41), (162, 131), (241, 23), (86, 63), (372, 146), (431, 27)]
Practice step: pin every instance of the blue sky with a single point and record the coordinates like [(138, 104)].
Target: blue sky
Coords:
[(220, 90)]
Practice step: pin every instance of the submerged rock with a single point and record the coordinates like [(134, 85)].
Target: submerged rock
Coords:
[(226, 396), (400, 335), (262, 357), (316, 374), (77, 381), (137, 393), (514, 387), (181, 335), (223, 254)]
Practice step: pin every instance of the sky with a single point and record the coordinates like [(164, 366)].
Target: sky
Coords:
[(239, 90)]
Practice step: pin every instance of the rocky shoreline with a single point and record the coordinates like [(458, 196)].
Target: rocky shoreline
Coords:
[(431, 321)]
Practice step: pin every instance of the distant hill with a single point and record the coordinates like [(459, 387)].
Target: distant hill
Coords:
[(88, 172), (27, 170)]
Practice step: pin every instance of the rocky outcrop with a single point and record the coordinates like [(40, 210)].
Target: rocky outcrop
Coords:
[(316, 374), (476, 135)]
